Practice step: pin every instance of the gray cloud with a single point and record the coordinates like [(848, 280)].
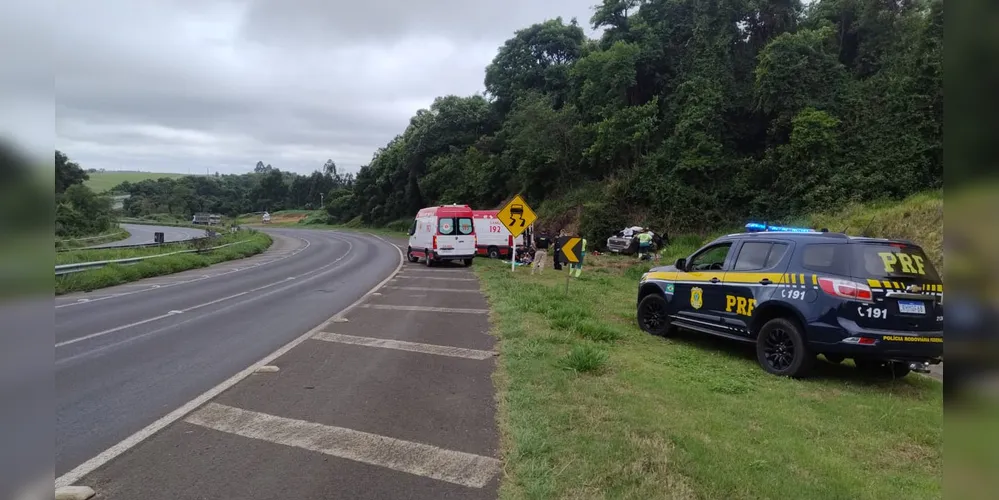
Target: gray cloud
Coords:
[(185, 85)]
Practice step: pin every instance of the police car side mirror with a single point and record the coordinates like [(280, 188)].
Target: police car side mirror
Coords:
[(681, 264)]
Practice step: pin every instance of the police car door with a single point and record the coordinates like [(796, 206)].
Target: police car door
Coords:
[(758, 266), (698, 290)]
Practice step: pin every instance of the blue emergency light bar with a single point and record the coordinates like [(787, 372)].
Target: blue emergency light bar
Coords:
[(756, 227)]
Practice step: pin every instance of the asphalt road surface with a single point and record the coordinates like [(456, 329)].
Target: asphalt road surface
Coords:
[(142, 233), (392, 398), (128, 355)]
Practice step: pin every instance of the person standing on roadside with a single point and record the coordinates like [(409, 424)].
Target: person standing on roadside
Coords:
[(644, 242), (540, 253), (578, 267)]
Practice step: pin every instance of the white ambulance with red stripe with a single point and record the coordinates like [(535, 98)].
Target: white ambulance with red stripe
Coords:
[(444, 233), (494, 239)]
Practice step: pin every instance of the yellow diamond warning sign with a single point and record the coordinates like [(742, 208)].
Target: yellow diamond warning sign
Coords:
[(517, 216)]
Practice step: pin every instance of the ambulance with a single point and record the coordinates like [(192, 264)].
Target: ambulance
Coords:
[(443, 233), (494, 239)]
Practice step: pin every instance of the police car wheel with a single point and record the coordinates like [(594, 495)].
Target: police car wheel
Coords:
[(653, 315), (781, 349)]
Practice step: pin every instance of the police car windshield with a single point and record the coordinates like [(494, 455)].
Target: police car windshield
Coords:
[(892, 260)]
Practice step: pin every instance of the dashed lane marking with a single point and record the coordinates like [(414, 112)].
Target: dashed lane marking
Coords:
[(186, 281), (175, 415), (466, 469), (440, 350), (426, 309)]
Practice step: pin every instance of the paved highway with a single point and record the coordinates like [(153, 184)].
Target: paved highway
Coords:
[(142, 233), (128, 355)]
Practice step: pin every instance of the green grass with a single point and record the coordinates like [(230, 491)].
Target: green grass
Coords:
[(250, 243), (591, 407), (115, 234), (918, 218), (104, 181)]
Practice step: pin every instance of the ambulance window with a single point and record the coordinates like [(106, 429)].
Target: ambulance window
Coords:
[(445, 226), (465, 225), (412, 229)]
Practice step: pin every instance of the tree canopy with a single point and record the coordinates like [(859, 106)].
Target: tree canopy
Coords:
[(685, 113)]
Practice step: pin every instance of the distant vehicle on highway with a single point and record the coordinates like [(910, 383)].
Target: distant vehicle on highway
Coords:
[(207, 219), (493, 238), (266, 218), (797, 294), (444, 233)]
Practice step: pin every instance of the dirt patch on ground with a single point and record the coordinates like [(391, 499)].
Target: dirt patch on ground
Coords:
[(291, 218)]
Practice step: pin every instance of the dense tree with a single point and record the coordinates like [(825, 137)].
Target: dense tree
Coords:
[(67, 173), (686, 114)]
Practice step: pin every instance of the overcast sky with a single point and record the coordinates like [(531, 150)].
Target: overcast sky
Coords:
[(189, 85)]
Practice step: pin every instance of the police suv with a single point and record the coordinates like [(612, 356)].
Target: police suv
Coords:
[(797, 293)]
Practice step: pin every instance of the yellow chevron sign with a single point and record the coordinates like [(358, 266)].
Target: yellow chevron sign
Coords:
[(570, 247)]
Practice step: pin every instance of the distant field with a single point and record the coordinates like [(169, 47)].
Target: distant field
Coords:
[(103, 181)]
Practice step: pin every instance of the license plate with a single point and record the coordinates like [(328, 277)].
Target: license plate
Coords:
[(447, 247), (911, 307)]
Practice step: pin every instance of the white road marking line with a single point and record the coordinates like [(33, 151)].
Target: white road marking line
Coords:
[(442, 279), (426, 309), (175, 283), (350, 246), (143, 434), (429, 289), (465, 469), (401, 345)]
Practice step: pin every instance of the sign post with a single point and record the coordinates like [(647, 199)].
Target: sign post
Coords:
[(516, 216), (570, 248)]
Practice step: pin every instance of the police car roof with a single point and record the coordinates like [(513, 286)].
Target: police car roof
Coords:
[(814, 236)]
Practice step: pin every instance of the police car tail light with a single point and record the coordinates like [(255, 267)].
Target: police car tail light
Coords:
[(846, 289)]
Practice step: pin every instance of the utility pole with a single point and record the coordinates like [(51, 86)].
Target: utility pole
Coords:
[(321, 204)]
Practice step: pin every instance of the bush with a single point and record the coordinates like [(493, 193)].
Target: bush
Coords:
[(585, 358)]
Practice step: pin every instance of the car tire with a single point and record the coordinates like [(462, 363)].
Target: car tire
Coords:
[(467, 262), (429, 257), (410, 257), (781, 349), (494, 253), (653, 316)]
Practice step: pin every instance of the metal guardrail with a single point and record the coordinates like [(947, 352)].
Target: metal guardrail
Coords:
[(63, 269), (137, 245)]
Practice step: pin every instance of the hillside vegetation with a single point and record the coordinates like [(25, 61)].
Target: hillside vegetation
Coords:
[(104, 181), (687, 115)]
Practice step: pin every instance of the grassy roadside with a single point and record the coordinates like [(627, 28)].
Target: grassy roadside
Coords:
[(591, 407), (115, 234), (249, 243)]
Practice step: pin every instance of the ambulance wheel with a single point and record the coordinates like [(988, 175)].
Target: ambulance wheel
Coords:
[(429, 257), (410, 256), (467, 262), (494, 253)]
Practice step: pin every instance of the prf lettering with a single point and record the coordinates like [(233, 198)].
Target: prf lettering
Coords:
[(911, 264), (742, 305)]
